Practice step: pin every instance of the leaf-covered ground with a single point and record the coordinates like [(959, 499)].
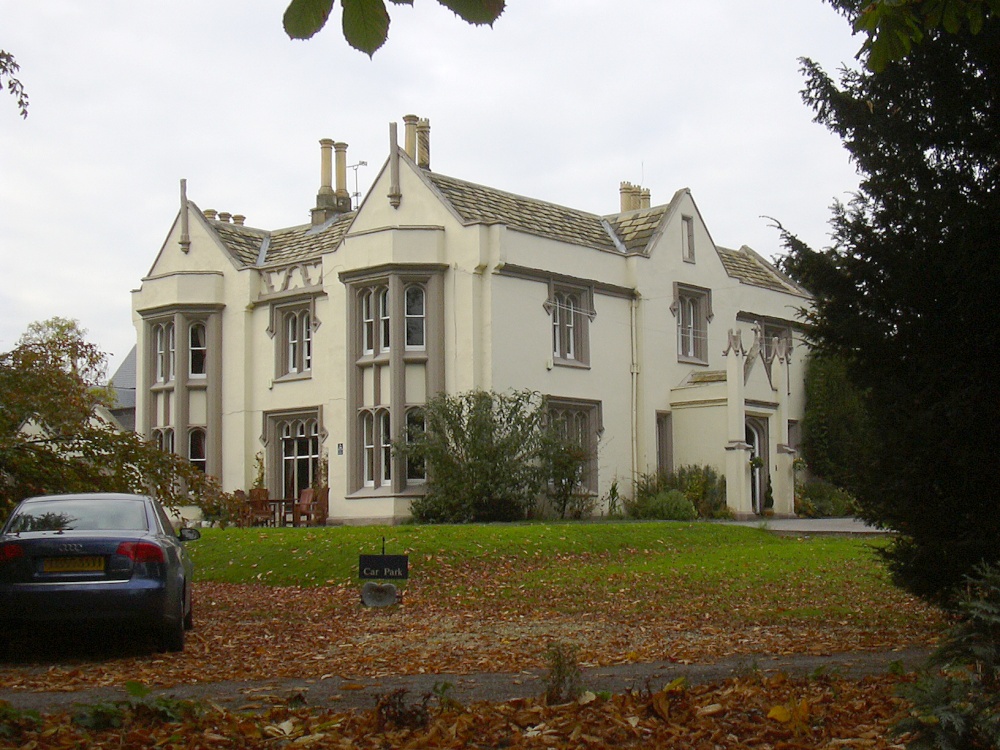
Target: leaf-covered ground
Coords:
[(757, 711), (256, 632), (500, 616)]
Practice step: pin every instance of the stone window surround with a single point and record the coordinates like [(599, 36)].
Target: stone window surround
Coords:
[(277, 329), (702, 297), (180, 318), (395, 277), (594, 412), (272, 434)]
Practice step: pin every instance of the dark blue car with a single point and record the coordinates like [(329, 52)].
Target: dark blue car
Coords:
[(98, 558)]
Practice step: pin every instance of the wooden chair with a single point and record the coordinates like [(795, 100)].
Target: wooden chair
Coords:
[(258, 509), (311, 508)]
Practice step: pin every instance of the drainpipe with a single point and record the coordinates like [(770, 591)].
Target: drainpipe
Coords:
[(633, 325)]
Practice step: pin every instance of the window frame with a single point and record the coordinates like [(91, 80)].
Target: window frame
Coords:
[(571, 309), (418, 319), (692, 308), (293, 325), (197, 355), (585, 419), (196, 446)]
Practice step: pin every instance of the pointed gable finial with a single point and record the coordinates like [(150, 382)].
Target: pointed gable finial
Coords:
[(185, 241)]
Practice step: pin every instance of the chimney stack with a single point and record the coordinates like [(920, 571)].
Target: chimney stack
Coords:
[(343, 197), (410, 135), (424, 143), (329, 203), (633, 197)]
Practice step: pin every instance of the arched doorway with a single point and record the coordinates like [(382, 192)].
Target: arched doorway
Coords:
[(756, 438)]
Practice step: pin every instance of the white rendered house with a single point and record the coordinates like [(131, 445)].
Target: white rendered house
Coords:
[(317, 343)]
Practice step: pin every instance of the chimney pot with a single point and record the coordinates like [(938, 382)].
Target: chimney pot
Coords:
[(424, 143), (224, 216), (210, 214), (644, 198), (238, 219)]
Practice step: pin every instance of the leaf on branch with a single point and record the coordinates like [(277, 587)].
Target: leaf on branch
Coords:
[(476, 11), (366, 24), (303, 18)]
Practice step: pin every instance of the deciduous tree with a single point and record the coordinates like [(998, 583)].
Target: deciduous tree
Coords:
[(8, 77), (907, 293), (53, 438), (365, 23)]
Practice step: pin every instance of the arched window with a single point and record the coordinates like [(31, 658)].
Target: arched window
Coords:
[(299, 456), (198, 350), (415, 317), (571, 311), (385, 446), (297, 338), (415, 426)]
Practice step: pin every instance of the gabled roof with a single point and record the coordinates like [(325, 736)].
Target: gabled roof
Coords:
[(257, 247), (750, 268), (635, 229), (476, 204), (629, 232)]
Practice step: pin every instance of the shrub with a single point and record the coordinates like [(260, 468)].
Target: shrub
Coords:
[(957, 705), (668, 505), (483, 452), (818, 498), (701, 485)]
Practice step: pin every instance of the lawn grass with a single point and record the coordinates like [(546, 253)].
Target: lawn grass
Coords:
[(571, 566)]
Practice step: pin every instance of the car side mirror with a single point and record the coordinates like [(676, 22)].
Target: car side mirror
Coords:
[(189, 535)]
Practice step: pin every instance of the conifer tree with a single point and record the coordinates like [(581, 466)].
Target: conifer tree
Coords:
[(907, 294)]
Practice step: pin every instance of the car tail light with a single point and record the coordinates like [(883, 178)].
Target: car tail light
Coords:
[(141, 552), (10, 551)]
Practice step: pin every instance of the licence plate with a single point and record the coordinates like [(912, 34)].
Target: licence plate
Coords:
[(92, 564)]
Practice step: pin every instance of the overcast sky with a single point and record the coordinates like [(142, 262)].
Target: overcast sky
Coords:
[(561, 100)]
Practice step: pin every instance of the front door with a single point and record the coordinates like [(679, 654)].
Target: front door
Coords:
[(755, 438)]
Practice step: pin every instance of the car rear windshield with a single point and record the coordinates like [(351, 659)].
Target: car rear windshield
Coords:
[(90, 514)]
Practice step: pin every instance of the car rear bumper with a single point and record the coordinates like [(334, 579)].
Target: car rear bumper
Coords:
[(135, 600)]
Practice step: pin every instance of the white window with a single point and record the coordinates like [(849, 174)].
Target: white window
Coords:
[(384, 319), (163, 335), (296, 341), (368, 448), (385, 446), (299, 455), (571, 313), (196, 449), (692, 308), (415, 317), (367, 321), (197, 350)]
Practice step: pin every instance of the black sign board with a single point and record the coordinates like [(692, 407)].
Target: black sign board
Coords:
[(384, 567)]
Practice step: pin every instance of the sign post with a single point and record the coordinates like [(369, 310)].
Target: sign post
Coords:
[(382, 568)]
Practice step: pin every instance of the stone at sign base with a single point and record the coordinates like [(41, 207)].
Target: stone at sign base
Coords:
[(378, 595)]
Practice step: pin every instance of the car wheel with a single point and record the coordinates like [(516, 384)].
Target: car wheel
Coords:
[(189, 617), (172, 637)]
